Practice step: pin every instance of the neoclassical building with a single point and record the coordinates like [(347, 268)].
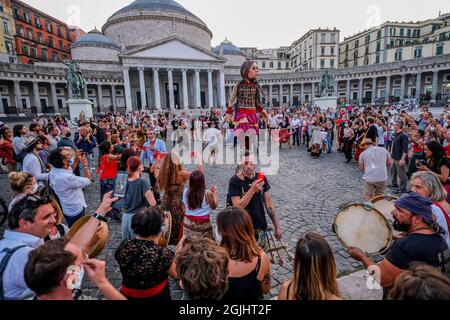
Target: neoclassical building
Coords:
[(155, 54)]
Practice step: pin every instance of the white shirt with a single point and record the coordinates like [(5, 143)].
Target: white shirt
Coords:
[(273, 123), (14, 285), (69, 189), (34, 166), (381, 135), (375, 164), (295, 123), (53, 142), (18, 144)]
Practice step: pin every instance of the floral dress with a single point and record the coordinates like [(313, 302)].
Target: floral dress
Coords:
[(172, 202)]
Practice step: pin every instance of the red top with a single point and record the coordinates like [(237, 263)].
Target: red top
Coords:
[(447, 150), (417, 148), (108, 169)]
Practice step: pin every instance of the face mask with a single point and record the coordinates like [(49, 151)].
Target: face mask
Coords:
[(35, 188), (75, 278)]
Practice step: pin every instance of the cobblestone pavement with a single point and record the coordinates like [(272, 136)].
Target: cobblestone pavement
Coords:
[(306, 193)]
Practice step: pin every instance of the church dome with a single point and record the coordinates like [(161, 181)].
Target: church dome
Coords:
[(95, 38), (147, 21), (228, 48)]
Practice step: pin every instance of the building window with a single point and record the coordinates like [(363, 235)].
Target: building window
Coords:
[(30, 34), (27, 17), (366, 61), (50, 41), (392, 32), (379, 46), (55, 57), (60, 44), (271, 65), (355, 63), (332, 63), (367, 51), (392, 43), (17, 14), (356, 43), (346, 47), (20, 30), (49, 27), (38, 22), (333, 38), (332, 51), (398, 55), (322, 64), (377, 59), (402, 32), (322, 51), (408, 33), (6, 27), (1, 8), (379, 34), (39, 37), (355, 54), (367, 38), (59, 32), (34, 52), (417, 53), (9, 47), (44, 55), (25, 49), (323, 37), (439, 49), (279, 65)]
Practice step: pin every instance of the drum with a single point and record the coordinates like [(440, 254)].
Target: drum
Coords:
[(167, 230), (363, 227), (385, 204), (99, 245)]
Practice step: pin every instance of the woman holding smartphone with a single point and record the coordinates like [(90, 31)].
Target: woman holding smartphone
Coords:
[(138, 195)]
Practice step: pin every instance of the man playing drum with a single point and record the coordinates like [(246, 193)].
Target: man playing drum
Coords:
[(422, 243)]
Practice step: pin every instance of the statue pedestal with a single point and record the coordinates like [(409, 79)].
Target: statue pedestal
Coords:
[(76, 106), (326, 102)]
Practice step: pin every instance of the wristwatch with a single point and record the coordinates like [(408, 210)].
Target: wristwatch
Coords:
[(100, 217)]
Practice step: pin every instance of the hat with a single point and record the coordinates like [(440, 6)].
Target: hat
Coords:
[(417, 205), (30, 142)]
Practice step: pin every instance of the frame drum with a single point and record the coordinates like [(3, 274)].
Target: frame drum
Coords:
[(385, 204), (363, 227), (95, 248), (165, 236)]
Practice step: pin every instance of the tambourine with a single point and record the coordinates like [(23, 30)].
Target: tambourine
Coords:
[(96, 248)]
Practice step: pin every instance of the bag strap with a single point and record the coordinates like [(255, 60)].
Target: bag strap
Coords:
[(4, 263)]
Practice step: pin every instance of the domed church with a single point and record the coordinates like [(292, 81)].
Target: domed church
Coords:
[(164, 53)]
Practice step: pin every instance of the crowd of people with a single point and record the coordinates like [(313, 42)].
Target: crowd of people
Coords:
[(165, 210)]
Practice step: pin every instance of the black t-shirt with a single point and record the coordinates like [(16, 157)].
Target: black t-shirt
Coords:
[(372, 134), (175, 124), (417, 248), (238, 187), (101, 135)]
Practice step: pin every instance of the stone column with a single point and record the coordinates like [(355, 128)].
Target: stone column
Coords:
[(210, 90), (113, 97), (185, 90), (100, 96), (37, 98), (70, 92), (86, 95), (361, 90), (126, 83), (171, 93), (302, 92), (157, 93), (142, 88), (54, 97), (18, 95), (280, 94), (418, 85), (313, 93), (291, 94), (348, 91), (2, 107), (198, 100), (336, 89), (222, 99), (270, 95), (435, 85), (374, 90), (388, 88), (402, 87)]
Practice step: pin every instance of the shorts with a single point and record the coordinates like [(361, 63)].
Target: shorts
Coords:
[(373, 189)]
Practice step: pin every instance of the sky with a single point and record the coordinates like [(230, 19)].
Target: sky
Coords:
[(261, 23)]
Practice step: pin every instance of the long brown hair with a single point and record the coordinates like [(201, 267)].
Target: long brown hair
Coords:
[(196, 191), (314, 269), (238, 235), (170, 169)]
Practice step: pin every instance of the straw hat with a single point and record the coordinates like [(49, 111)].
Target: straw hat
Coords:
[(96, 248)]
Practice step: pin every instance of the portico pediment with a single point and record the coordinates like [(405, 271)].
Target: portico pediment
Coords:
[(172, 48)]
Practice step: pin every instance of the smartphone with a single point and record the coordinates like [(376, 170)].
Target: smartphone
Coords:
[(120, 186), (261, 176)]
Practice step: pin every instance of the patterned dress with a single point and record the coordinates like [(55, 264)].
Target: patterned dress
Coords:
[(172, 202)]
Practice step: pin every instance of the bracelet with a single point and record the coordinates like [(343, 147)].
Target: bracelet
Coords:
[(100, 217)]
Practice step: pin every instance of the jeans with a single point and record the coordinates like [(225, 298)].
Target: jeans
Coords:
[(399, 172), (330, 144), (127, 232), (72, 220), (296, 137)]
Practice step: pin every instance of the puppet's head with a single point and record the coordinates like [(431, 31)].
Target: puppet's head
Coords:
[(249, 70)]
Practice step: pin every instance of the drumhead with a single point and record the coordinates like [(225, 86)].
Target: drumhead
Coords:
[(96, 248), (363, 227), (385, 204)]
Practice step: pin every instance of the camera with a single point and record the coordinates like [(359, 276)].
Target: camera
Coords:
[(420, 163)]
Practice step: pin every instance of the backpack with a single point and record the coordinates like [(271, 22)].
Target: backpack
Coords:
[(4, 263), (20, 157)]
